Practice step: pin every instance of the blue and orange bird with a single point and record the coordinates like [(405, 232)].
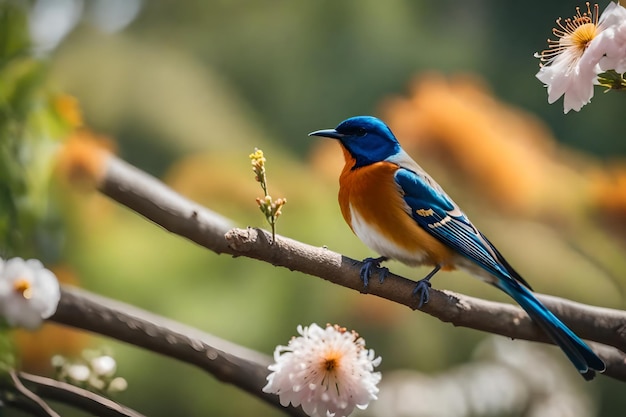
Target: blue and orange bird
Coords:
[(400, 212)]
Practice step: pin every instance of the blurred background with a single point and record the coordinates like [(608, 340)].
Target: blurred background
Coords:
[(186, 90)]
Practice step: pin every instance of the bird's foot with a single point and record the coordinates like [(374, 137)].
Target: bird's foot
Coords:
[(366, 270), (423, 289)]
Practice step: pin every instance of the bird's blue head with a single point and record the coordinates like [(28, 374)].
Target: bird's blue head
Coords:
[(366, 138)]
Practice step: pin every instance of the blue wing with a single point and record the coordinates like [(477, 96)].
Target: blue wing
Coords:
[(436, 213)]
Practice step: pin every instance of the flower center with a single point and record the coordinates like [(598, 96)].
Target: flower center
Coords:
[(331, 362), (573, 34), (582, 35), (23, 286)]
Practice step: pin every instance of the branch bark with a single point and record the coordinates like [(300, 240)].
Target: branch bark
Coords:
[(241, 367)]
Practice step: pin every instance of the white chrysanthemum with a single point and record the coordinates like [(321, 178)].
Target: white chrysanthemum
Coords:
[(570, 65), (327, 371), (29, 292)]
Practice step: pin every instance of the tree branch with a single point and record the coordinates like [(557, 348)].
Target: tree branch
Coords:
[(459, 310), (241, 367), (39, 406), (158, 203), (152, 199), (75, 396)]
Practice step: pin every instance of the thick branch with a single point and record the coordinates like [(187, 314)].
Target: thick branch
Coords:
[(460, 310), (241, 367), (155, 201)]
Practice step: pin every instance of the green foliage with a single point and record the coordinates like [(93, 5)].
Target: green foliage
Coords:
[(612, 80), (30, 130), (7, 351), (14, 39)]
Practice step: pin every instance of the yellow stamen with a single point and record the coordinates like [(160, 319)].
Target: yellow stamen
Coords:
[(573, 33), (23, 287)]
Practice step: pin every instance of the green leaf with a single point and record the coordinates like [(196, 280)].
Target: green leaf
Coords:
[(612, 80)]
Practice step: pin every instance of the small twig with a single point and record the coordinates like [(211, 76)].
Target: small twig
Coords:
[(31, 396), (270, 208), (10, 399), (78, 397)]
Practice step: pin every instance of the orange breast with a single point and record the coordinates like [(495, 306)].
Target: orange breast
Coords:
[(371, 193)]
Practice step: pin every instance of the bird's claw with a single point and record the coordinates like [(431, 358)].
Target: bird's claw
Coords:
[(423, 286), (367, 269), (423, 289), (382, 274)]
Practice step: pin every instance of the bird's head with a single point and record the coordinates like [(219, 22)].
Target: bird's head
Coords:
[(367, 139)]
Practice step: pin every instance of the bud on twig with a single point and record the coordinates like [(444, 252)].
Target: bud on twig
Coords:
[(271, 209)]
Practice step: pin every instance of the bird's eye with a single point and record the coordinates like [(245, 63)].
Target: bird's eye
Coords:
[(360, 132)]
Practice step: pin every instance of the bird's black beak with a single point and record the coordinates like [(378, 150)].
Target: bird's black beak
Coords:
[(327, 133)]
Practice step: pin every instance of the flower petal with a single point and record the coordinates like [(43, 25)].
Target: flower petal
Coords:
[(29, 292), (326, 371)]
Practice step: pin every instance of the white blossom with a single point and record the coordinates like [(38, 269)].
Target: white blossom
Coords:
[(327, 371), (29, 292), (79, 372), (118, 384), (611, 43), (585, 46), (103, 365)]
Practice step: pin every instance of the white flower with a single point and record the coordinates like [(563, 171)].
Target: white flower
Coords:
[(96, 382), (118, 384), (612, 41), (585, 46), (29, 292), (79, 372), (103, 365), (327, 371)]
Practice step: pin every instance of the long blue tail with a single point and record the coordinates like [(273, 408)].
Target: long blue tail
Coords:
[(583, 358)]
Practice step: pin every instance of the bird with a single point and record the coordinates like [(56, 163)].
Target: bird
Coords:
[(402, 213)]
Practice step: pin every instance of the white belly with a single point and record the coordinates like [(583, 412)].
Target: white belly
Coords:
[(377, 241)]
